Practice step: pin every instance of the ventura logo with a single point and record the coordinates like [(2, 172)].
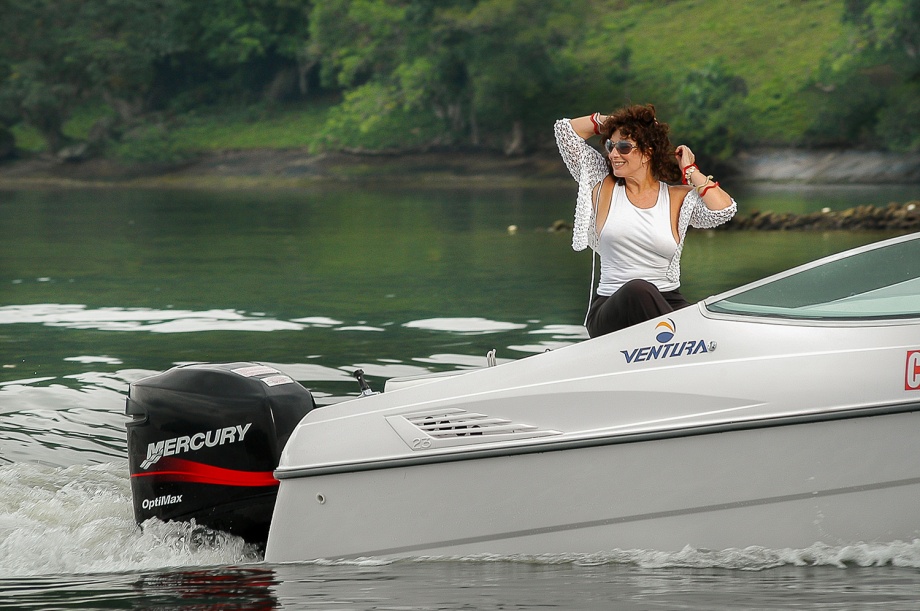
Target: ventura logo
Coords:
[(666, 349), (665, 330), (180, 445)]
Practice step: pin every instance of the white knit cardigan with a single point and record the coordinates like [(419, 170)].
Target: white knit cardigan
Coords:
[(588, 168)]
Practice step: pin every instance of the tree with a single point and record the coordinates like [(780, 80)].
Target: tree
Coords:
[(61, 52), (891, 30), (711, 114), (234, 50), (40, 85), (887, 29), (460, 71), (138, 54), (871, 84), (398, 66)]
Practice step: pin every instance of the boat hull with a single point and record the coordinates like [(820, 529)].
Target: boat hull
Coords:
[(775, 484)]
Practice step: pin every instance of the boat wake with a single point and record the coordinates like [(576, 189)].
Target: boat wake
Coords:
[(79, 519), (897, 553)]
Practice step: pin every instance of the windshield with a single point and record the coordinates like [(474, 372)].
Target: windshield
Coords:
[(879, 282)]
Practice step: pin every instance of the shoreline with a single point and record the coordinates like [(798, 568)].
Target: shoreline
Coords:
[(291, 168), (278, 168)]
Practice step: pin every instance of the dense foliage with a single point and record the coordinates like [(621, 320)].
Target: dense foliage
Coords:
[(871, 83), (413, 74)]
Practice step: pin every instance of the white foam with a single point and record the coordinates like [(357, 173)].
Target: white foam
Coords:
[(77, 316), (467, 326), (898, 553), (321, 321), (79, 519), (89, 360)]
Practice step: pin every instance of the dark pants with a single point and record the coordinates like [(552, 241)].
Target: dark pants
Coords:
[(635, 302)]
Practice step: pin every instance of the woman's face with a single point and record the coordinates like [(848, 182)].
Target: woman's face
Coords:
[(624, 164)]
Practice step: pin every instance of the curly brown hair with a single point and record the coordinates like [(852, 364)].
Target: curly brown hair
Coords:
[(639, 123)]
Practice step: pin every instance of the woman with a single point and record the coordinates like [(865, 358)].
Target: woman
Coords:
[(630, 216)]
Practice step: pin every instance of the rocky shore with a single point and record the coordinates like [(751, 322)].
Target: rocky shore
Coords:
[(893, 217)]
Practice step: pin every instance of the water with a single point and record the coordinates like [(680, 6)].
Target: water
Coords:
[(101, 287)]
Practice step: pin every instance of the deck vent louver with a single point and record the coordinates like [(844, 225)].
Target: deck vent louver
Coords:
[(451, 427)]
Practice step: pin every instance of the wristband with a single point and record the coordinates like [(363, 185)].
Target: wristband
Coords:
[(597, 125)]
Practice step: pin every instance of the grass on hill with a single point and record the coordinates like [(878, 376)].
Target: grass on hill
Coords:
[(775, 45)]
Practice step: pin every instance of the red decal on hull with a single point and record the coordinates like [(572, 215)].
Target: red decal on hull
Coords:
[(912, 378)]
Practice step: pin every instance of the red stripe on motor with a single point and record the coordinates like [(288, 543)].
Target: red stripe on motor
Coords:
[(179, 470)]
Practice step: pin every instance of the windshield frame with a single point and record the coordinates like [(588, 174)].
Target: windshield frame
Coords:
[(706, 306)]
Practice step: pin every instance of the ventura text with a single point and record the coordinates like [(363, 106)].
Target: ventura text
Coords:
[(664, 351)]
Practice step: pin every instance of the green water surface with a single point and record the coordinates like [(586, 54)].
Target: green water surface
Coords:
[(114, 279)]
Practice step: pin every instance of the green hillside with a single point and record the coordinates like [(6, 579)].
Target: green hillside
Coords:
[(774, 46)]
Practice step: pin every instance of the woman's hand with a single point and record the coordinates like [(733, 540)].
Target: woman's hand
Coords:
[(710, 192), (685, 156)]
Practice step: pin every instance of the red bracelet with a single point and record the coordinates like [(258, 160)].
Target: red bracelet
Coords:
[(683, 172), (597, 127), (703, 192)]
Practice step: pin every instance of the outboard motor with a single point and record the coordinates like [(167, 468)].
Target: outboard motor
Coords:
[(205, 440)]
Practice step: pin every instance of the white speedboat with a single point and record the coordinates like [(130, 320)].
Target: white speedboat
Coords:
[(779, 414)]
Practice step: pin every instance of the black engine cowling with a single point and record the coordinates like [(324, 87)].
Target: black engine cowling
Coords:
[(205, 440)]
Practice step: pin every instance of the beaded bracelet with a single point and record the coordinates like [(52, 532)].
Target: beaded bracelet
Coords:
[(688, 172), (597, 126)]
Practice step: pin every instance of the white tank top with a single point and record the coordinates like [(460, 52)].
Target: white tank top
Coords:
[(636, 243)]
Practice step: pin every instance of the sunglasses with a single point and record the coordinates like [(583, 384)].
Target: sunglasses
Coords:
[(623, 147)]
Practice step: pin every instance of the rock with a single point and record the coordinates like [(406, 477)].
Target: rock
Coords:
[(74, 153), (559, 226)]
